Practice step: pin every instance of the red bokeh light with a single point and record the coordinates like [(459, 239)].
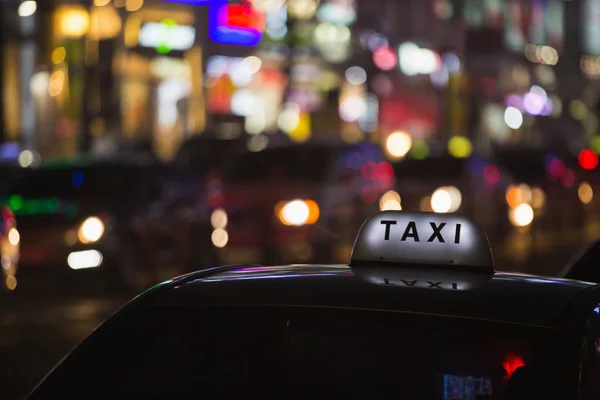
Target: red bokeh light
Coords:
[(511, 363), (369, 194), (384, 170), (368, 170), (588, 159), (491, 174), (568, 178), (385, 58)]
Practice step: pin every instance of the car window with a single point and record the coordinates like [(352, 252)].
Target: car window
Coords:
[(223, 352)]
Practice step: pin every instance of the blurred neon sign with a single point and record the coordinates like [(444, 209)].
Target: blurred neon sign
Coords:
[(166, 36), (238, 24)]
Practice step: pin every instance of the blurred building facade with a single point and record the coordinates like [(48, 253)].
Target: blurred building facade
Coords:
[(423, 78), (456, 75)]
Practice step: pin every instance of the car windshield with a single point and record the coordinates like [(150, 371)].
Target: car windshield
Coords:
[(297, 352)]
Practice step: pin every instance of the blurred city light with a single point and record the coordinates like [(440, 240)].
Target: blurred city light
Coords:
[(10, 282), (295, 212), (220, 237), (585, 192), (390, 200), (538, 198), (91, 230), (588, 159), (415, 60), (356, 75), (58, 55), (385, 58), (337, 12), (460, 147), (13, 236), (446, 199), (74, 20), (84, 259), (521, 215), (302, 9), (398, 144), (419, 150), (578, 109), (27, 8), (26, 158), (218, 218), (491, 174), (513, 117)]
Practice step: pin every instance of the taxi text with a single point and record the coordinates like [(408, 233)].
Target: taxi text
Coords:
[(410, 232)]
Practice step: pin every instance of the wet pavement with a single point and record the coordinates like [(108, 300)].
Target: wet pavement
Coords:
[(38, 329)]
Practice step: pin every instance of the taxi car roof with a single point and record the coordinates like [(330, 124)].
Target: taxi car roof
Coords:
[(501, 297)]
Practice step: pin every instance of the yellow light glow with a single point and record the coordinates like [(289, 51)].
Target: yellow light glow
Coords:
[(101, 3), (538, 198), (585, 193), (513, 196), (220, 237), (521, 215), (218, 218), (73, 20), (58, 55), (27, 8), (446, 199), (11, 282), (13, 237), (398, 144), (57, 83), (460, 147), (302, 9), (134, 5), (105, 23), (295, 212), (390, 200), (91, 230)]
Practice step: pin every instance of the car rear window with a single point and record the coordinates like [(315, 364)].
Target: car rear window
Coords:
[(294, 352)]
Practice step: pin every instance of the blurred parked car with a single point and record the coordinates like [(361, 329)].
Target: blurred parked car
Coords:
[(280, 205), (9, 247), (96, 219)]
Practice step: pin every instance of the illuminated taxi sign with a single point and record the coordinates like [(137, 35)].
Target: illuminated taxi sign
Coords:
[(399, 237)]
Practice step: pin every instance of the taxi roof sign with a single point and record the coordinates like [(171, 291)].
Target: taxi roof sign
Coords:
[(400, 237)]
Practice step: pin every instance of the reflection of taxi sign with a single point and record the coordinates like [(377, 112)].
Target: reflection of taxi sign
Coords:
[(399, 237)]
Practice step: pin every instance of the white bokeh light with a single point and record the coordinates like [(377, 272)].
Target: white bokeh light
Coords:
[(513, 117)]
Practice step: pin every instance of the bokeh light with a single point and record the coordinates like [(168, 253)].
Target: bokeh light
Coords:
[(398, 144), (585, 192), (446, 199), (460, 147), (521, 215), (513, 117), (385, 58), (588, 159), (390, 200)]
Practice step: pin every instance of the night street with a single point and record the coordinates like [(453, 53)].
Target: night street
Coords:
[(36, 332)]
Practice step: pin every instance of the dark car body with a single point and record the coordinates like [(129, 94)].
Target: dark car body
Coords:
[(340, 332)]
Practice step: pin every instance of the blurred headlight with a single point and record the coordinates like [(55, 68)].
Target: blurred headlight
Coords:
[(13, 236), (297, 212), (91, 230)]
